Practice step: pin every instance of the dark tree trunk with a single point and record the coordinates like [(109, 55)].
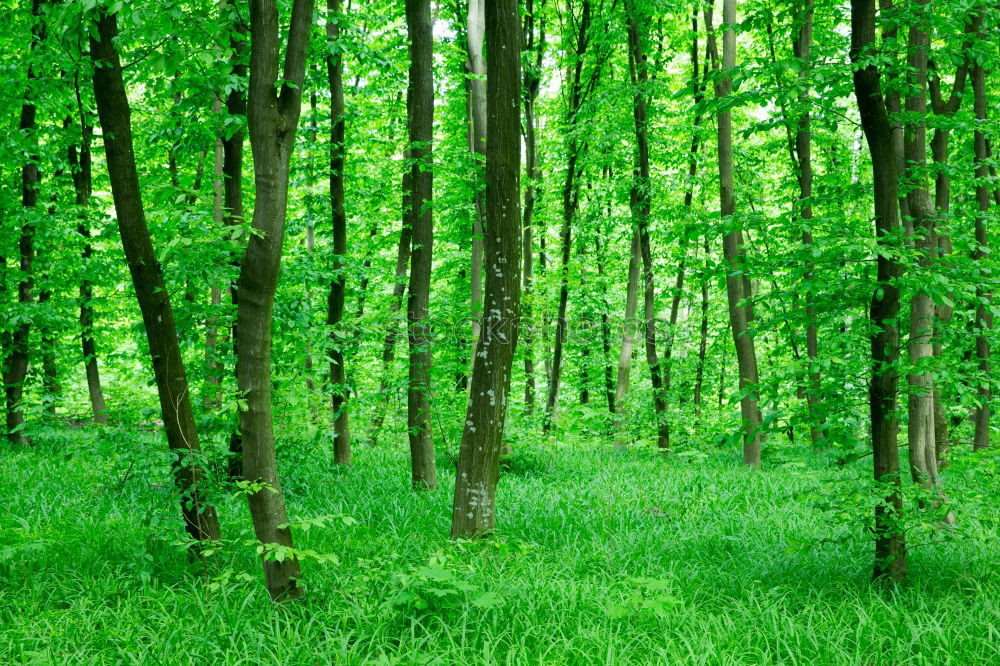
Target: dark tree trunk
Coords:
[(570, 197), (232, 169), (702, 336), (272, 115), (737, 284), (641, 203), (396, 301), (81, 171), (335, 303), (200, 518), (482, 436), (984, 296), (16, 369), (532, 81), (890, 540), (420, 116)]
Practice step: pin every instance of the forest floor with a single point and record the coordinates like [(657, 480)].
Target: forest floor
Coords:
[(601, 556)]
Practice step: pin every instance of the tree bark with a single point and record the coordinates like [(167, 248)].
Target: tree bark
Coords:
[(335, 303), (920, 426), (734, 254), (890, 539), (984, 296), (532, 81), (232, 169), (641, 203), (16, 368), (570, 199), (200, 518), (420, 120), (272, 115), (475, 69), (482, 436)]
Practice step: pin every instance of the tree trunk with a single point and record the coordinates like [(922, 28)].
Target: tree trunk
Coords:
[(702, 336), (984, 296), (570, 199), (920, 426), (628, 338), (396, 301), (335, 303), (890, 539), (232, 168), (737, 287), (475, 69), (482, 436), (420, 120), (200, 518), (532, 80), (272, 117), (16, 369), (641, 203)]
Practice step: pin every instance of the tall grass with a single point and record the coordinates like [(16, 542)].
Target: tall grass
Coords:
[(601, 557)]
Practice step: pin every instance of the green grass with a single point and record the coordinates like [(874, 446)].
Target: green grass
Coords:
[(601, 557)]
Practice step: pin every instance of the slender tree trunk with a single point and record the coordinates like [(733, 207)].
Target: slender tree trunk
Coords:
[(200, 518), (396, 300), (482, 436), (16, 369), (213, 368), (609, 382), (272, 117), (420, 116), (475, 69), (641, 203), (920, 427), (737, 284), (532, 80), (984, 296), (335, 303), (702, 336), (628, 338), (890, 539), (570, 199), (232, 167)]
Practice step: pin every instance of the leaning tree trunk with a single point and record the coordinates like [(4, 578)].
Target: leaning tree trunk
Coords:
[(272, 116), (740, 313), (890, 539), (641, 202), (16, 368), (628, 339), (420, 117), (482, 436), (82, 175), (200, 518), (984, 313), (335, 303)]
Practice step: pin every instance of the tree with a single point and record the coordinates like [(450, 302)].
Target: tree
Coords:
[(737, 283), (890, 540), (420, 120), (482, 435), (272, 116), (200, 517), (335, 303), (16, 368)]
